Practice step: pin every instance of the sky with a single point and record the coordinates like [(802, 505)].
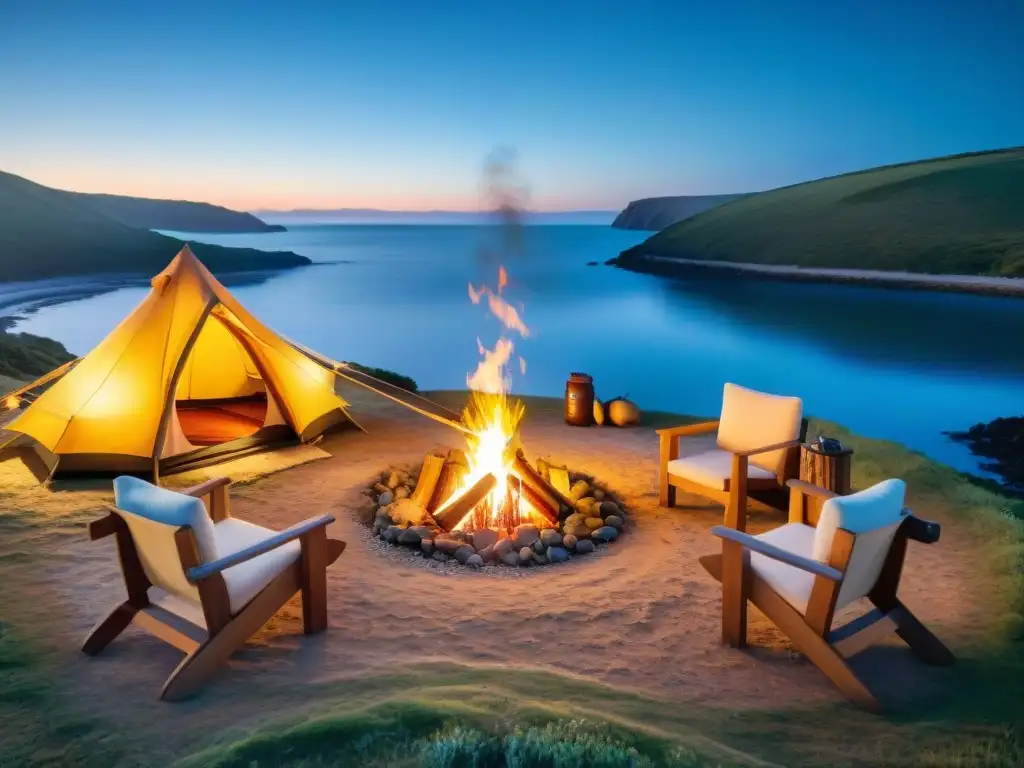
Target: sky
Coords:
[(397, 104)]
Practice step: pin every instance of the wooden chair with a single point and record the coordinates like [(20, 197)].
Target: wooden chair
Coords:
[(758, 450), (834, 550), (203, 581)]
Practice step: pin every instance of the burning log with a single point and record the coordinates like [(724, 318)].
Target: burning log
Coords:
[(429, 475), (449, 480), (449, 517), (532, 478), (539, 503)]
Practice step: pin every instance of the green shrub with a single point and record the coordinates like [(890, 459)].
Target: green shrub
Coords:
[(384, 374)]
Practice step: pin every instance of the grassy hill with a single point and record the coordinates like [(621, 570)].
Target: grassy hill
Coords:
[(176, 215), (48, 233), (962, 214), (24, 357)]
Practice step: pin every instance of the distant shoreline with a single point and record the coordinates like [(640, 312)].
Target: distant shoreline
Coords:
[(670, 266)]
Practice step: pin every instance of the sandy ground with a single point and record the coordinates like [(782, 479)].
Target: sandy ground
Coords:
[(1004, 286), (640, 615)]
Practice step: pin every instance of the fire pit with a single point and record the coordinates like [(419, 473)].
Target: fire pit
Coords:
[(488, 504)]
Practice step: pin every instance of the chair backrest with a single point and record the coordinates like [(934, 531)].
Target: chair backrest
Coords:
[(873, 516), (752, 419), (153, 516)]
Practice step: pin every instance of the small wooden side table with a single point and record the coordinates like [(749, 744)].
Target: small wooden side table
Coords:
[(826, 470)]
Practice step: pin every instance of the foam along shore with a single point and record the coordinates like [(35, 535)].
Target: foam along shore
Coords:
[(671, 266)]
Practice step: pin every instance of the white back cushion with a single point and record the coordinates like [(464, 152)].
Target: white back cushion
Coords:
[(873, 515), (752, 419), (153, 516)]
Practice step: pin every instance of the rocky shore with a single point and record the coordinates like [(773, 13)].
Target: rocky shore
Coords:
[(1001, 443)]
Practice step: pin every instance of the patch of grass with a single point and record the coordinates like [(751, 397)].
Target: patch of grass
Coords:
[(950, 215), (413, 734)]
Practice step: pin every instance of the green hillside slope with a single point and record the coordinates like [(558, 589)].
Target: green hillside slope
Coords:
[(955, 215), (25, 357), (176, 215), (47, 233)]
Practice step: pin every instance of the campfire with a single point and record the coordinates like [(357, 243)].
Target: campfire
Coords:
[(491, 485), (485, 502)]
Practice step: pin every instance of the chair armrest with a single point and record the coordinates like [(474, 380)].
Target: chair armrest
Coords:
[(105, 526), (767, 448), (809, 489), (917, 529), (777, 553), (200, 572), (206, 488), (688, 429)]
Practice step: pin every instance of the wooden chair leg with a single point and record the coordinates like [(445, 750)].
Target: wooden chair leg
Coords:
[(923, 643), (812, 645), (198, 666), (735, 564), (104, 633), (314, 581), (668, 451)]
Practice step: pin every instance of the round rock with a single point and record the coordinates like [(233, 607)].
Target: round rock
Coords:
[(463, 553), (385, 498), (446, 545), (401, 492), (502, 548), (393, 480), (580, 531), (427, 547), (475, 561), (391, 533), (408, 511), (598, 494), (540, 558), (510, 558), (549, 537), (410, 538), (572, 520), (525, 535), (483, 538), (539, 546), (614, 521), (593, 523), (525, 556), (584, 547), (610, 508), (604, 534), (569, 542), (558, 554)]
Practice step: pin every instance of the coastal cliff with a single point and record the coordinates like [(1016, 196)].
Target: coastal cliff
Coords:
[(48, 233), (656, 213), (174, 215)]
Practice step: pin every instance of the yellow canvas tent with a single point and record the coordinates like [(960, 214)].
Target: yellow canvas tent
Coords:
[(189, 378)]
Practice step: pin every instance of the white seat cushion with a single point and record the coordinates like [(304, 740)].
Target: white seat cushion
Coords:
[(246, 580), (752, 419), (713, 469), (793, 584)]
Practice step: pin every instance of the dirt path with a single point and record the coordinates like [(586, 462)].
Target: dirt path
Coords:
[(642, 615)]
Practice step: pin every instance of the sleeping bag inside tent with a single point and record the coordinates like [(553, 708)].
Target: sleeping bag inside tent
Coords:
[(188, 379)]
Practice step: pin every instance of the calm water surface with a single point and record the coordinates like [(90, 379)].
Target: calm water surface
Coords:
[(901, 365)]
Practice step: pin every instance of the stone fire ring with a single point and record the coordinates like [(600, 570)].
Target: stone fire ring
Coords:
[(399, 522)]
